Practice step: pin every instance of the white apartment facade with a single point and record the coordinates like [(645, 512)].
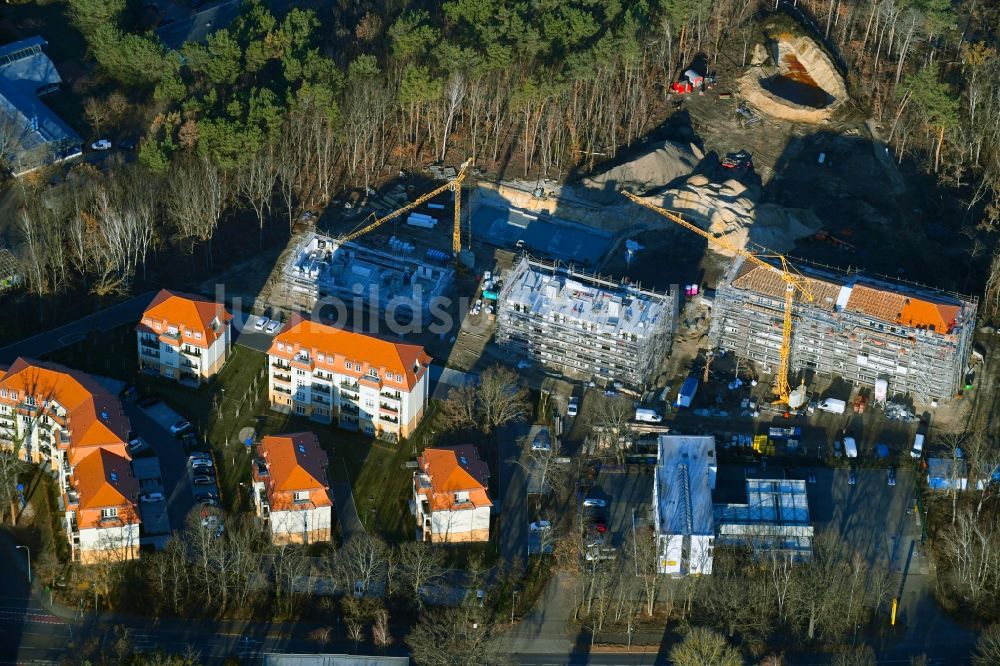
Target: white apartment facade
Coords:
[(354, 381), (291, 488), (451, 503), (184, 338)]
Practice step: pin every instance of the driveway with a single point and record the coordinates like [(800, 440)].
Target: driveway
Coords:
[(153, 426), (513, 505)]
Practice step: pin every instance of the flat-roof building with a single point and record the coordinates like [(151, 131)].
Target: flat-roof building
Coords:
[(775, 519), (34, 134), (585, 325), (686, 467), (857, 328)]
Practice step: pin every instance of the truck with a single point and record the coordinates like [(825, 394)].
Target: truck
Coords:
[(688, 389), (918, 446), (647, 415), (784, 433), (832, 405), (850, 447)]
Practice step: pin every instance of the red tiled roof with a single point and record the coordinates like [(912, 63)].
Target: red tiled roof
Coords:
[(104, 479), (186, 312), (296, 462), (338, 346), (455, 469)]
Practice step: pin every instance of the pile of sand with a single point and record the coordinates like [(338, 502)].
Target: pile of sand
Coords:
[(730, 212), (656, 168)]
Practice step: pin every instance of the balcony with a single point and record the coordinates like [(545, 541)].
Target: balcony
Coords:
[(191, 351), (72, 499), (320, 400), (389, 419), (172, 336), (150, 344), (287, 379), (348, 408), (350, 386), (63, 439), (189, 364), (390, 395), (388, 408), (281, 366), (281, 389), (304, 359), (320, 388)]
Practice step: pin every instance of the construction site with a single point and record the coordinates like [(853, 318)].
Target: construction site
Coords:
[(583, 325), (917, 339)]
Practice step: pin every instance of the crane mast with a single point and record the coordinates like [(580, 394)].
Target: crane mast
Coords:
[(792, 282), (456, 236)]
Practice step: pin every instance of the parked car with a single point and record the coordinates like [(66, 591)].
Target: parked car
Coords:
[(127, 144), (203, 480), (200, 459), (599, 525), (273, 327), (595, 501), (812, 477), (180, 426), (151, 497), (149, 401), (202, 470), (852, 477), (261, 323), (541, 442), (101, 144), (836, 448), (206, 495), (574, 406), (137, 445), (209, 501), (891, 476), (540, 525)]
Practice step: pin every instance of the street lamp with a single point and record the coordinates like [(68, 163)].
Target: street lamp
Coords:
[(28, 551)]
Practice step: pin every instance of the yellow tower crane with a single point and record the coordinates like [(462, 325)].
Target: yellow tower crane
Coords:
[(456, 235), (793, 283)]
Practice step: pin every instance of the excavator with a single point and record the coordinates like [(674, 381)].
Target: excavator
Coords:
[(793, 283), (456, 236)]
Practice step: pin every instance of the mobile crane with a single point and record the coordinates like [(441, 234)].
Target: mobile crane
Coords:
[(456, 235), (793, 283)]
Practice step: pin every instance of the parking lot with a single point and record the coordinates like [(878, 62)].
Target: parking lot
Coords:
[(153, 425), (627, 495), (869, 515)]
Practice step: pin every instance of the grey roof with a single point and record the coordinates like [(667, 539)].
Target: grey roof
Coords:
[(685, 477), (24, 71)]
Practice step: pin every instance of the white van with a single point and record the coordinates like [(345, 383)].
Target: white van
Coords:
[(850, 447), (918, 446), (647, 416), (832, 405)]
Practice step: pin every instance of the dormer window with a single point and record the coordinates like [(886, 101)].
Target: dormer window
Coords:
[(281, 346), (197, 335), (301, 496), (321, 357), (110, 512), (461, 497), (373, 373)]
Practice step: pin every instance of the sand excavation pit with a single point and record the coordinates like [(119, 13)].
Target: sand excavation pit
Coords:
[(793, 79)]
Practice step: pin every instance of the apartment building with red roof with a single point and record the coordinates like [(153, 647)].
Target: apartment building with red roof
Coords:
[(852, 326), (451, 503), (292, 489), (184, 338), (355, 381), (66, 422)]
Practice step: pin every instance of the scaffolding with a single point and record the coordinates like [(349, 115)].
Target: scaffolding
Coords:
[(584, 325), (859, 329)]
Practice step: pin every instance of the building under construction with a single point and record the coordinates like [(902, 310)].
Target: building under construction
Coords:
[(857, 328), (583, 325)]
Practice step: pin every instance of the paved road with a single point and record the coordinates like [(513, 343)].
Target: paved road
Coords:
[(347, 512), (513, 491), (57, 338)]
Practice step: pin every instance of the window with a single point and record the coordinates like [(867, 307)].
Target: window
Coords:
[(187, 333), (301, 495), (13, 395), (299, 409), (157, 326), (197, 335), (30, 399), (373, 372), (321, 357), (299, 372), (111, 512), (357, 366), (347, 364), (399, 378), (3, 393)]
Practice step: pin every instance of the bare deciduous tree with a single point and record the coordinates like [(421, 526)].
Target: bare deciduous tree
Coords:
[(420, 565), (702, 646)]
